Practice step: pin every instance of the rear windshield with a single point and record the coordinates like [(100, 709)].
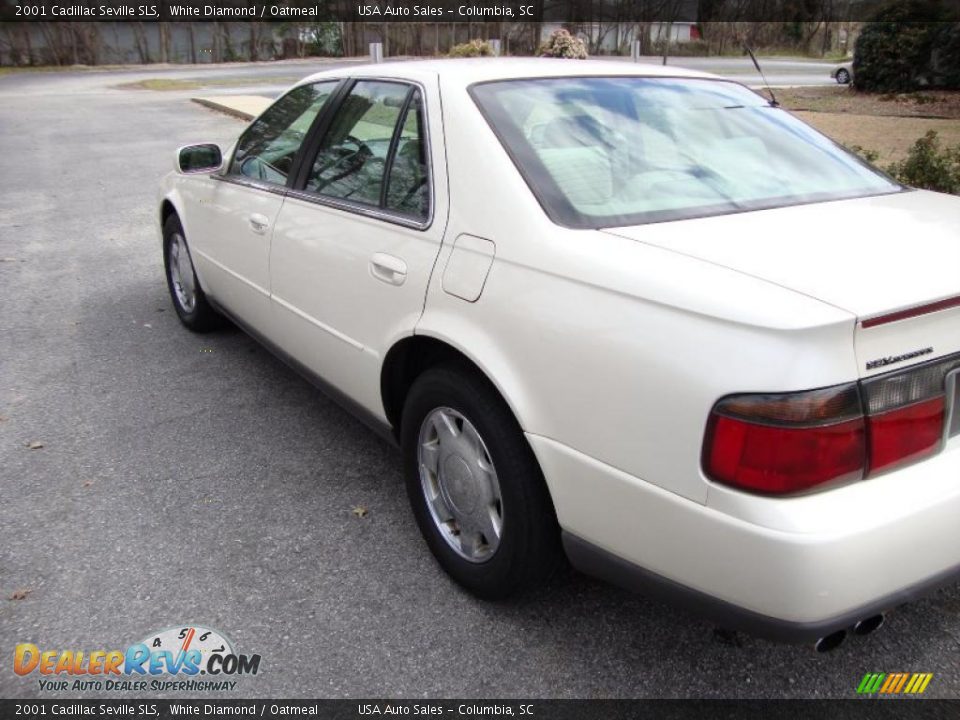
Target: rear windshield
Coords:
[(607, 151)]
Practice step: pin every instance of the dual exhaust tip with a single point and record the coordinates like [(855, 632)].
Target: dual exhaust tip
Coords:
[(861, 627)]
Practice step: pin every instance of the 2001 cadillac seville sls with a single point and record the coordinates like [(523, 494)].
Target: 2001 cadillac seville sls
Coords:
[(632, 313)]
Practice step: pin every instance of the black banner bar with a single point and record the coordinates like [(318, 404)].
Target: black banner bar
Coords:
[(568, 11), (372, 709)]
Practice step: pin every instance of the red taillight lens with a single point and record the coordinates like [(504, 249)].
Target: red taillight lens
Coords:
[(780, 444), (906, 435), (791, 442)]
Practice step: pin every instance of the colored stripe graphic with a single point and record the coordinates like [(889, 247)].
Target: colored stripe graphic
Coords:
[(894, 683), (871, 683)]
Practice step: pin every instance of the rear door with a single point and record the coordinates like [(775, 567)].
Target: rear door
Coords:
[(358, 235)]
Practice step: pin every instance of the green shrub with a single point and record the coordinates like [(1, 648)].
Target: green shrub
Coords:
[(871, 156), (473, 48), (561, 44), (945, 58), (927, 166), (908, 44)]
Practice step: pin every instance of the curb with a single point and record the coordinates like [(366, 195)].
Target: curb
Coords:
[(242, 107)]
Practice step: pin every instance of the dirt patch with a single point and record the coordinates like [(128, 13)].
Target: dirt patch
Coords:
[(891, 137), (944, 104)]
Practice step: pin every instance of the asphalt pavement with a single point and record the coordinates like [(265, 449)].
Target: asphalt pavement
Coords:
[(187, 479)]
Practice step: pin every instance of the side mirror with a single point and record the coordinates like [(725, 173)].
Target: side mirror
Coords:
[(197, 159)]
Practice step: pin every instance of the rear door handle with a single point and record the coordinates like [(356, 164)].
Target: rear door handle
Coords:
[(259, 223), (388, 268)]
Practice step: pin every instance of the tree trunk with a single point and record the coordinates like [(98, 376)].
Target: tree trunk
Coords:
[(193, 43), (254, 40), (140, 41), (228, 52), (215, 41), (163, 44)]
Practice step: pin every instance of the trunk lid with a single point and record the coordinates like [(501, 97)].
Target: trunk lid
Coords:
[(870, 256)]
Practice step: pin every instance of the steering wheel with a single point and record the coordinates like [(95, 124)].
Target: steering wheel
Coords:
[(349, 160), (362, 147)]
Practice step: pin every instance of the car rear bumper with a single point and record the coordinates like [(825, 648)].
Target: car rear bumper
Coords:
[(791, 569), (595, 561)]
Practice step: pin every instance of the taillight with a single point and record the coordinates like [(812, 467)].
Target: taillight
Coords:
[(905, 414), (779, 444), (786, 443), (902, 436)]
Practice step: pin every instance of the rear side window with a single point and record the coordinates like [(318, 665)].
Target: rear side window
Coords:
[(374, 151), (407, 181), (267, 149)]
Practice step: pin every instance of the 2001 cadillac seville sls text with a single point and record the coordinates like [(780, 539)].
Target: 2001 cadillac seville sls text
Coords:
[(631, 313)]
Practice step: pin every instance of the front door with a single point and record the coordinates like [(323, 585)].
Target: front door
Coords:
[(233, 214)]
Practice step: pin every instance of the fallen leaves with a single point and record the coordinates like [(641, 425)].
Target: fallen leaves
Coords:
[(34, 445), (360, 511), (87, 483), (21, 594)]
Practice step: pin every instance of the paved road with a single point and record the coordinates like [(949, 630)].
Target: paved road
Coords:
[(779, 72), (188, 479)]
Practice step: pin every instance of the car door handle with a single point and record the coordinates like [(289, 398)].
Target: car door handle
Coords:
[(259, 223), (388, 268)]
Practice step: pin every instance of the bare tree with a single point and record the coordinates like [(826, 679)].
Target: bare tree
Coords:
[(193, 43), (141, 43), (58, 40)]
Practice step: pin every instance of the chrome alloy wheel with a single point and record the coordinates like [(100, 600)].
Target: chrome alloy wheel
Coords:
[(181, 273), (459, 484)]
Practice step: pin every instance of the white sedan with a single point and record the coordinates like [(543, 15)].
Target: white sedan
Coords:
[(843, 74), (633, 315)]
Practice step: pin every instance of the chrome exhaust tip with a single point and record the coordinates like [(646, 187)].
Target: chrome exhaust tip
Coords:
[(830, 642), (869, 625)]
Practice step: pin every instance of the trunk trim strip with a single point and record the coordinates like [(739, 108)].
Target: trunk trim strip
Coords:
[(912, 312)]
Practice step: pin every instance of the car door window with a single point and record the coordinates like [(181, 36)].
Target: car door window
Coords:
[(407, 190), (352, 159), (267, 149)]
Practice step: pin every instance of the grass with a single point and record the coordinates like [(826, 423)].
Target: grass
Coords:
[(18, 70), (167, 84), (160, 84), (886, 124), (890, 137), (9, 70), (943, 104)]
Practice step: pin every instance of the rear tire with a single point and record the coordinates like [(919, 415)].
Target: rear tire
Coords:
[(188, 297), (476, 489), (843, 77)]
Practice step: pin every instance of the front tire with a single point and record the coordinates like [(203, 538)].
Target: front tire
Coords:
[(843, 77), (475, 487), (188, 297)]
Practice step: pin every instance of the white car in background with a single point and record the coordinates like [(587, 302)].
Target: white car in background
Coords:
[(633, 313), (843, 74)]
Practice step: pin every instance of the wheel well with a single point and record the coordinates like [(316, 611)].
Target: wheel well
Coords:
[(406, 361), (166, 210)]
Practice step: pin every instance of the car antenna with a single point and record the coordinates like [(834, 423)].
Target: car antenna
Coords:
[(773, 98)]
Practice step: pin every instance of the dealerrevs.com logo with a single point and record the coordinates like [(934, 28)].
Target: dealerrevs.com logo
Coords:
[(172, 659)]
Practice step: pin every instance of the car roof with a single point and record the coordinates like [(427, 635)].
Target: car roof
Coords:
[(466, 71)]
